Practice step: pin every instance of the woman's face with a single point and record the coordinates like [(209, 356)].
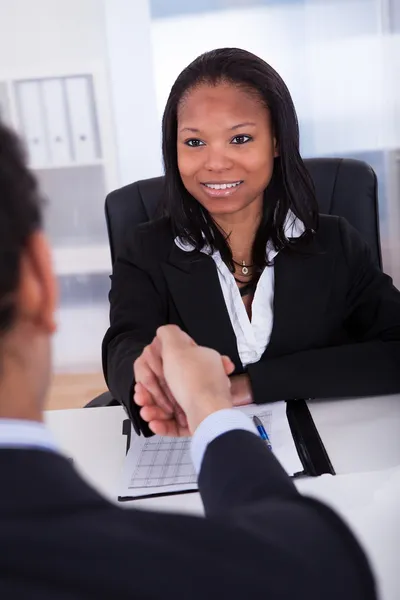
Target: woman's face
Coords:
[(226, 148)]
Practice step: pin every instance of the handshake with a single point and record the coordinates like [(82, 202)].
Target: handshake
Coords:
[(179, 384)]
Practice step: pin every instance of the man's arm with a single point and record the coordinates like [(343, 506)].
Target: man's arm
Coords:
[(242, 483)]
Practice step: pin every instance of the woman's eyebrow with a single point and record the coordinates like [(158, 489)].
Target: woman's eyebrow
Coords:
[(191, 129), (246, 124), (238, 126)]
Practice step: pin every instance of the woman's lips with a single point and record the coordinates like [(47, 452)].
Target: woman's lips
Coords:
[(216, 190)]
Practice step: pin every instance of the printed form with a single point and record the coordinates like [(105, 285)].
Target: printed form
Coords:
[(162, 465)]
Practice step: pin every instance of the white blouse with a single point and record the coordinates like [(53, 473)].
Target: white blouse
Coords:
[(252, 337)]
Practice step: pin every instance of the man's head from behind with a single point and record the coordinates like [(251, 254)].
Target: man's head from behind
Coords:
[(27, 287)]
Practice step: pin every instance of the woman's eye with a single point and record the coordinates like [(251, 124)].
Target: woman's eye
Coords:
[(241, 139), (194, 143)]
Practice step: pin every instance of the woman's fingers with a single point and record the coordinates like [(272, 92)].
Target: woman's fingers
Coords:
[(180, 415), (228, 365), (150, 411), (142, 396), (147, 378), (154, 413), (168, 428), (164, 428), (152, 355)]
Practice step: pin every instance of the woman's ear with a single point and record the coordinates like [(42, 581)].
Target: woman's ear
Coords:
[(37, 290)]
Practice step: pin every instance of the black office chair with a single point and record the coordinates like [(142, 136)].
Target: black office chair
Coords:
[(344, 187)]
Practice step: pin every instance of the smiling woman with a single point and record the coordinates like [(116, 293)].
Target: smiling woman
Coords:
[(236, 126), (242, 261)]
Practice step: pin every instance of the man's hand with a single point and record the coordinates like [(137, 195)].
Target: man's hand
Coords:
[(195, 376)]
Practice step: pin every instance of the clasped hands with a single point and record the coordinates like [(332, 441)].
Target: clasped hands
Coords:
[(178, 383)]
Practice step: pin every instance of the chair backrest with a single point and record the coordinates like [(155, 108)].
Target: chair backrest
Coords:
[(344, 187)]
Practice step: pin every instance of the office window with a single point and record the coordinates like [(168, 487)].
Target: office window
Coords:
[(161, 8), (394, 16)]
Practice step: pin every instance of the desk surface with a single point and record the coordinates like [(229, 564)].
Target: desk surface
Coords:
[(360, 435)]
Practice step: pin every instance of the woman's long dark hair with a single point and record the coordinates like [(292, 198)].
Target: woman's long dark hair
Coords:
[(291, 186)]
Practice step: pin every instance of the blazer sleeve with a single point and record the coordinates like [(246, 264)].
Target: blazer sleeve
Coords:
[(242, 483), (137, 309), (368, 366)]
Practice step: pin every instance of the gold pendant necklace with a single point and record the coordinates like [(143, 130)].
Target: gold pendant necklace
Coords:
[(245, 270)]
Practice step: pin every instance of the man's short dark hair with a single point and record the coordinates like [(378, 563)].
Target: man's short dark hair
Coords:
[(20, 216)]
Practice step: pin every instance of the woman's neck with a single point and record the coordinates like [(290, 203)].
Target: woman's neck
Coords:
[(241, 229)]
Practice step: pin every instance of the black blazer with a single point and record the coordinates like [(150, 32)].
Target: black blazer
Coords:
[(336, 329), (60, 540)]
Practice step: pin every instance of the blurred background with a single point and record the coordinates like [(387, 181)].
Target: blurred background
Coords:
[(85, 82)]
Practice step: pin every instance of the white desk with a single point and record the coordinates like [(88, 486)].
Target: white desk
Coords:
[(360, 435)]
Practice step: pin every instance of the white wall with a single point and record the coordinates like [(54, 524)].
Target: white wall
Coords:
[(46, 34), (132, 88)]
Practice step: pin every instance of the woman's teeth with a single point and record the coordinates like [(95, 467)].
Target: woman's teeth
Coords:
[(222, 186)]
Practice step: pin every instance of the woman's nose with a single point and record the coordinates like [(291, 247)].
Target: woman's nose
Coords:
[(217, 160)]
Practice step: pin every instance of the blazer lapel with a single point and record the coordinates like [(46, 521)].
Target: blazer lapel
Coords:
[(302, 284), (193, 282)]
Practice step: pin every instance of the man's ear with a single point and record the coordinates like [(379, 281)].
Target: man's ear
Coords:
[(37, 290)]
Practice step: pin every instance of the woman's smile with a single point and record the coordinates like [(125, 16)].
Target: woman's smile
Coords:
[(221, 189)]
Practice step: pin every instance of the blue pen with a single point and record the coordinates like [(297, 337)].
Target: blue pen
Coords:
[(262, 432)]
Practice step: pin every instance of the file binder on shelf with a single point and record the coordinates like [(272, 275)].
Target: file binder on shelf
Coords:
[(55, 106), (32, 121)]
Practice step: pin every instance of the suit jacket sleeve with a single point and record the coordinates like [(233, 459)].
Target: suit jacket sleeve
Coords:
[(136, 311), (370, 365), (242, 483)]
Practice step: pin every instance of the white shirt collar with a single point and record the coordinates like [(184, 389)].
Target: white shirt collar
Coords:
[(18, 433), (293, 227)]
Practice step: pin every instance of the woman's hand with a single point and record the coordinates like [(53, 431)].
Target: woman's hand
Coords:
[(148, 371), (241, 391), (160, 422)]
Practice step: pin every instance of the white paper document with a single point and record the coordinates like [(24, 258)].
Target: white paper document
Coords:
[(161, 465)]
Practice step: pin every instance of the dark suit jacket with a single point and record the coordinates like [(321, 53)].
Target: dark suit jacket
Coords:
[(60, 540), (336, 329)]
